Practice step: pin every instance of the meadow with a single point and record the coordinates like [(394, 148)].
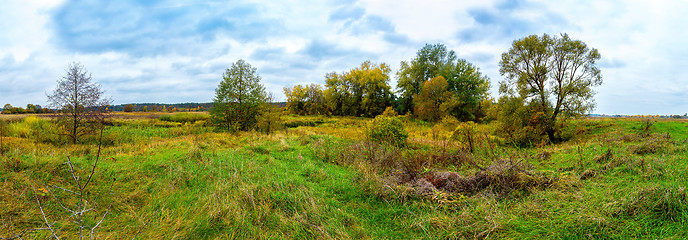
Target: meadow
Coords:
[(175, 177)]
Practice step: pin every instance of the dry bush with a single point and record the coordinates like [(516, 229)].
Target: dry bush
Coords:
[(502, 178)]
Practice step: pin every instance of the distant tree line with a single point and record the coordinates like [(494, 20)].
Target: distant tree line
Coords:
[(30, 109), (159, 107)]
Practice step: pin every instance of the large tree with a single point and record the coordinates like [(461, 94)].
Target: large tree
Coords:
[(554, 75), (239, 98), (360, 91), (464, 80), (434, 101), (80, 102)]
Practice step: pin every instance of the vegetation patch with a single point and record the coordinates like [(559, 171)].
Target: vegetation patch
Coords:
[(184, 117), (501, 178)]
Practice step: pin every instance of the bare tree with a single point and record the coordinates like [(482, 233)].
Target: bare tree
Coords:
[(80, 102)]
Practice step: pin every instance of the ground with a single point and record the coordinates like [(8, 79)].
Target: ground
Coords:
[(319, 178)]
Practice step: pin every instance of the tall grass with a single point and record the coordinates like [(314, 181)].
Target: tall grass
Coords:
[(172, 180)]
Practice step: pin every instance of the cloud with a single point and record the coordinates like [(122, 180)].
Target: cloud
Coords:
[(175, 51), (149, 28), (511, 19)]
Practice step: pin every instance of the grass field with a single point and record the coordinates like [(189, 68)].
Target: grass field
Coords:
[(179, 179)]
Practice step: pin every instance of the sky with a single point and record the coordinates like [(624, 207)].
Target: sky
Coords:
[(174, 51)]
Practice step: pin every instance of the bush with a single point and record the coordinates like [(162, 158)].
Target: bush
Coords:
[(467, 133), (389, 112), (387, 130)]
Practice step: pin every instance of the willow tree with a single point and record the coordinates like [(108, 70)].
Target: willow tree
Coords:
[(553, 76), (239, 98), (80, 102)]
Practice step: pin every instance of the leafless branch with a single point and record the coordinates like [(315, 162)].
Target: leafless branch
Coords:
[(42, 212), (58, 201), (101, 220)]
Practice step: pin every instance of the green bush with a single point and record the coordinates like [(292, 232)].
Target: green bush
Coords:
[(388, 130)]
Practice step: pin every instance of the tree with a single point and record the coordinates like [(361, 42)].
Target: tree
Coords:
[(304, 100), (427, 64), (553, 76), (360, 91), (470, 88), (464, 80), (7, 109), (239, 98), (434, 100), (81, 103), (128, 108), (30, 108)]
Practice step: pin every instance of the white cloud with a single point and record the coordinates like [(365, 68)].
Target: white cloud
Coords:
[(172, 51)]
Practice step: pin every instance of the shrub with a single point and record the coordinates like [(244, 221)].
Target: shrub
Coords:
[(467, 133), (387, 130), (389, 112)]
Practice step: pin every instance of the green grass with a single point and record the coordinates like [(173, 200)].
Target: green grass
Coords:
[(187, 181)]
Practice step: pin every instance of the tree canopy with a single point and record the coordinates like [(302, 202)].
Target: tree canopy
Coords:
[(362, 91), (553, 75), (464, 80), (239, 98)]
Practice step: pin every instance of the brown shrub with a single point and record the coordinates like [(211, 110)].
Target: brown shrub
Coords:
[(503, 178)]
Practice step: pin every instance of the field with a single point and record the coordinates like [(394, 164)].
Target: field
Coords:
[(176, 178)]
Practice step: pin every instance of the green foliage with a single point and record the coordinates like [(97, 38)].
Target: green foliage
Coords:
[(388, 130), (270, 119), (362, 91), (305, 100), (521, 125), (540, 68), (467, 85), (434, 101), (3, 133), (239, 98), (42, 130), (389, 112), (660, 203)]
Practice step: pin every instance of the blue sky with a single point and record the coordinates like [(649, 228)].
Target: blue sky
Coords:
[(175, 51)]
